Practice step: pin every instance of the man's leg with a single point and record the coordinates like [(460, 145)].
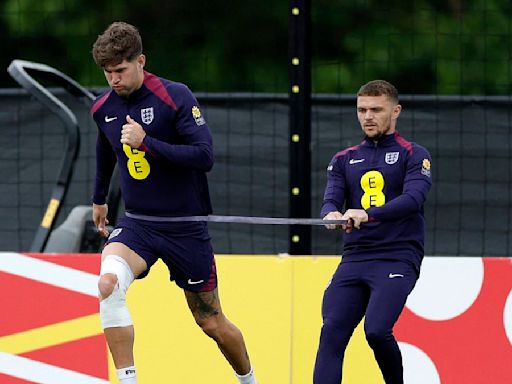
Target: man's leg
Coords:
[(207, 312), (118, 268), (343, 307), (391, 285)]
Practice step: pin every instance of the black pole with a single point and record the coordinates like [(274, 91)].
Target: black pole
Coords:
[(299, 61)]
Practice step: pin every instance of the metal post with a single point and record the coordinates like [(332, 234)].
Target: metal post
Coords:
[(299, 43)]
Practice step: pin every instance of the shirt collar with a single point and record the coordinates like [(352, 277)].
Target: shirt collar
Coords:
[(382, 141)]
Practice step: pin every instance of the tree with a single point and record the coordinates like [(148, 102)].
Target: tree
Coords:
[(423, 46)]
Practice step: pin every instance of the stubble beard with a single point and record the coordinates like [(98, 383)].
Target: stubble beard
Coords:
[(123, 92), (377, 134)]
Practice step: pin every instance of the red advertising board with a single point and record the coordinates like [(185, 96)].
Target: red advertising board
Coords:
[(50, 330)]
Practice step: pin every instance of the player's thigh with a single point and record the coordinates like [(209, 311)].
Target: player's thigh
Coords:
[(346, 297), (391, 286), (135, 261), (203, 305)]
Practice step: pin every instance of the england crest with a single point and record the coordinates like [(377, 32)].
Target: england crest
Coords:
[(392, 157), (147, 115)]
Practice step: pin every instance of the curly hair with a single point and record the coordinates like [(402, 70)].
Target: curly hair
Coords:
[(118, 42)]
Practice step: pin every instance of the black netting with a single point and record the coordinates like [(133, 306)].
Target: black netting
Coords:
[(468, 210)]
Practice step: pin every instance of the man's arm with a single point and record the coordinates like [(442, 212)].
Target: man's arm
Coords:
[(105, 163), (99, 217), (197, 151), (334, 196), (417, 183), (197, 155)]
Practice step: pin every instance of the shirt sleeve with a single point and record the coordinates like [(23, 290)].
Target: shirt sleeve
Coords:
[(197, 151), (105, 163), (334, 196), (417, 183)]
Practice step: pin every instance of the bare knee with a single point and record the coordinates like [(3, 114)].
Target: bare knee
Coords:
[(213, 326), (106, 285)]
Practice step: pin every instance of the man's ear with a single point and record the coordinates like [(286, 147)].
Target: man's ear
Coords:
[(396, 111), (141, 60)]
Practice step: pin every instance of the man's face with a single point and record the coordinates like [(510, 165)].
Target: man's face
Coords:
[(125, 77), (377, 115)]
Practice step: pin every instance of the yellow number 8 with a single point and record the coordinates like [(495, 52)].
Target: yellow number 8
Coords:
[(372, 183), (137, 165)]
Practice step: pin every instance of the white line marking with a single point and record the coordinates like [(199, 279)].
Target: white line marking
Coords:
[(43, 373), (49, 273)]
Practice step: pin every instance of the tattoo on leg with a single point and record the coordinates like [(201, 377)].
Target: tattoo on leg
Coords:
[(203, 304)]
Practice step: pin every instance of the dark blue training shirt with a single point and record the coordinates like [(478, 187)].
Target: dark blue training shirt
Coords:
[(166, 176), (390, 179)]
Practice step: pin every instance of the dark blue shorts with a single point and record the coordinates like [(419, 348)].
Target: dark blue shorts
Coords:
[(184, 247)]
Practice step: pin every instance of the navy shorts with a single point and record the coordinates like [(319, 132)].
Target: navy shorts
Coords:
[(184, 247)]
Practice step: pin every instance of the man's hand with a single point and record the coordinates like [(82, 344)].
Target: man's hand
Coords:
[(99, 216), (333, 216), (132, 133), (354, 217)]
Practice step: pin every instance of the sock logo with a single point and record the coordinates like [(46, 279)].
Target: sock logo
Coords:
[(129, 371)]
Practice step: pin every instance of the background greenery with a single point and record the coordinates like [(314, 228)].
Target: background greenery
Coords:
[(443, 47)]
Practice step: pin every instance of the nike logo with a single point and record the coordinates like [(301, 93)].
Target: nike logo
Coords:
[(393, 275), (109, 119), (191, 282), (355, 161)]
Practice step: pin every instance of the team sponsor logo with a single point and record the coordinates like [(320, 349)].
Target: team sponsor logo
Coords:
[(425, 167), (147, 115), (392, 157), (114, 233), (329, 168), (198, 117), (372, 183), (137, 164)]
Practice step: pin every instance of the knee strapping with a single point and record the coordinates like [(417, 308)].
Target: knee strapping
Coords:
[(113, 309)]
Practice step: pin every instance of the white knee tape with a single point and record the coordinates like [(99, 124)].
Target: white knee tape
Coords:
[(113, 309)]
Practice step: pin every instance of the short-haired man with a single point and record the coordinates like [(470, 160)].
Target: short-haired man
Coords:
[(381, 186)]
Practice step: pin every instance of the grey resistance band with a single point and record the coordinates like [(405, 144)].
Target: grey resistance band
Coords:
[(238, 219)]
